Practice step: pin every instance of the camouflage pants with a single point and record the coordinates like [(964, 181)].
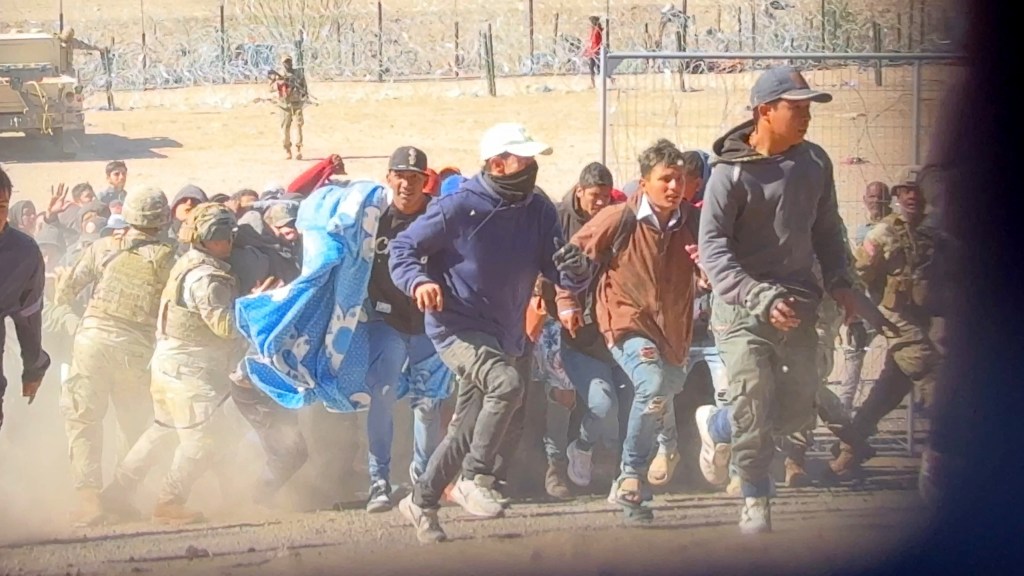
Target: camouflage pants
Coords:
[(102, 373), (912, 361), (186, 403), (291, 113), (773, 384)]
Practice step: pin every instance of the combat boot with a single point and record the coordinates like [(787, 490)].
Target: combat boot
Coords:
[(288, 152), (90, 509), (174, 513), (298, 152), (847, 464), (796, 475), (556, 482)]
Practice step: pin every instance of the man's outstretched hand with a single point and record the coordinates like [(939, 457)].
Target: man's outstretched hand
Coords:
[(857, 305), (570, 259)]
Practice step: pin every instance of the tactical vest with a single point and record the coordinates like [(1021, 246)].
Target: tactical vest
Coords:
[(177, 320), (130, 282), (906, 283)]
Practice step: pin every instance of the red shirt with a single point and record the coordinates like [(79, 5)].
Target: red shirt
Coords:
[(594, 44)]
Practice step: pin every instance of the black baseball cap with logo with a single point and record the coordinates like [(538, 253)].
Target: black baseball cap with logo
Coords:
[(408, 159)]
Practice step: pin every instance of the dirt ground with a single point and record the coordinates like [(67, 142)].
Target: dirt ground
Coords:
[(817, 530)]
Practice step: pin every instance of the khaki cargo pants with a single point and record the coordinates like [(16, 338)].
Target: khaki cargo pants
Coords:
[(773, 384), (187, 406), (911, 362), (291, 113), (102, 373)]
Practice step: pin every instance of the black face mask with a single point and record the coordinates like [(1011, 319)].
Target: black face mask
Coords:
[(516, 187)]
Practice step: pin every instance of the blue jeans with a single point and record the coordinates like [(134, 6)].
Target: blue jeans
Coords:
[(389, 351), (655, 384), (597, 383)]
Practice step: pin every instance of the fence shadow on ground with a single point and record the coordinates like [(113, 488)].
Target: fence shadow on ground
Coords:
[(94, 147)]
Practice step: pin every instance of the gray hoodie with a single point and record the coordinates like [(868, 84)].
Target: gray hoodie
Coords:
[(766, 219)]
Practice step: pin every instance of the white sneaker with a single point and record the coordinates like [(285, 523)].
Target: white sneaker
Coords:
[(428, 529), (714, 458), (756, 517), (581, 464), (478, 496)]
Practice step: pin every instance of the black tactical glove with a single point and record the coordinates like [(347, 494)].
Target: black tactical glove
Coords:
[(569, 259), (857, 336)]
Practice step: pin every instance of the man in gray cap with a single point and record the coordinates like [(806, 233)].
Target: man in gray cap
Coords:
[(769, 213)]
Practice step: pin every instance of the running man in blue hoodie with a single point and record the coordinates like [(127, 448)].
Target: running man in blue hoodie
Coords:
[(471, 262)]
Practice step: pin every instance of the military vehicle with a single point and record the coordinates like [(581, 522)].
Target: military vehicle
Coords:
[(39, 93)]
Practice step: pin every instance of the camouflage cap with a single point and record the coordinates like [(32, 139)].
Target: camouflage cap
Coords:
[(282, 214), (908, 180), (208, 221), (146, 208)]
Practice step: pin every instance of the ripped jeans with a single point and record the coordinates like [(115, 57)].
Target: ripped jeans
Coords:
[(655, 384)]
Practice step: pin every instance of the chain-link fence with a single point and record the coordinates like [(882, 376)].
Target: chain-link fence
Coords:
[(240, 40), (877, 125)]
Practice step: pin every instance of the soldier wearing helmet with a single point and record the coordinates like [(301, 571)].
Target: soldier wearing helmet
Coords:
[(197, 346), (290, 86), (114, 340)]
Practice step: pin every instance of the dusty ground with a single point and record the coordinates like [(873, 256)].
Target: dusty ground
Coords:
[(816, 530)]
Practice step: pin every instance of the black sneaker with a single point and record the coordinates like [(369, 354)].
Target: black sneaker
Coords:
[(380, 497)]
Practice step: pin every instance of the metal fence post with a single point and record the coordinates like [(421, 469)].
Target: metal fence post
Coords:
[(915, 142), (603, 57), (380, 42)]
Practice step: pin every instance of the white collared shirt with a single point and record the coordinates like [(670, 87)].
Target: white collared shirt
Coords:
[(645, 213)]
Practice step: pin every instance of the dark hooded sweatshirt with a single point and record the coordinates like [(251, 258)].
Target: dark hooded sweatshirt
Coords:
[(485, 252), (765, 220), (21, 299), (188, 192)]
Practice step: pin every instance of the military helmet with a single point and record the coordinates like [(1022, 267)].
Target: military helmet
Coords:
[(208, 221), (146, 208)]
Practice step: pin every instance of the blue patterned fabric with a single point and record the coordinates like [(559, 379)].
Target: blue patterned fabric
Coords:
[(547, 354), (308, 342)]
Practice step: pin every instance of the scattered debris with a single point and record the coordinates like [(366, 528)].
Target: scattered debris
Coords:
[(854, 160)]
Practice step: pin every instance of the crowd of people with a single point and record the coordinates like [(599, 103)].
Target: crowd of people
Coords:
[(595, 300)]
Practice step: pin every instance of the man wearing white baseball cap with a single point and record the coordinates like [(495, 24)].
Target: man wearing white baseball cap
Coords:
[(470, 262)]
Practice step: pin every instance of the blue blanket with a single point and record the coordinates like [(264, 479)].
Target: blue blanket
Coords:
[(307, 340)]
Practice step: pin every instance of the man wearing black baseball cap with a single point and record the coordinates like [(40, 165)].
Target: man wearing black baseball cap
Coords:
[(396, 334), (769, 213)]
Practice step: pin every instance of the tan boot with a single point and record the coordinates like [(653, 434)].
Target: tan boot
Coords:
[(847, 464), (796, 475), (735, 487), (173, 513), (662, 468), (90, 509), (556, 482), (288, 152), (298, 152)]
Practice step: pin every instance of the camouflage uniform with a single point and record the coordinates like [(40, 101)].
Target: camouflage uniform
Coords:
[(291, 99), (197, 347), (115, 338), (901, 255)]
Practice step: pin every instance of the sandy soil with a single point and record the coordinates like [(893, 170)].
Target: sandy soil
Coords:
[(816, 530)]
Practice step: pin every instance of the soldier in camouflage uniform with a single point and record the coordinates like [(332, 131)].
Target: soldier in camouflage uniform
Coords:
[(114, 340), (899, 250), (291, 95), (197, 347)]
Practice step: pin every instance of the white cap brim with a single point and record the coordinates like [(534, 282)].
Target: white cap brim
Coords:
[(523, 149), (807, 94)]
